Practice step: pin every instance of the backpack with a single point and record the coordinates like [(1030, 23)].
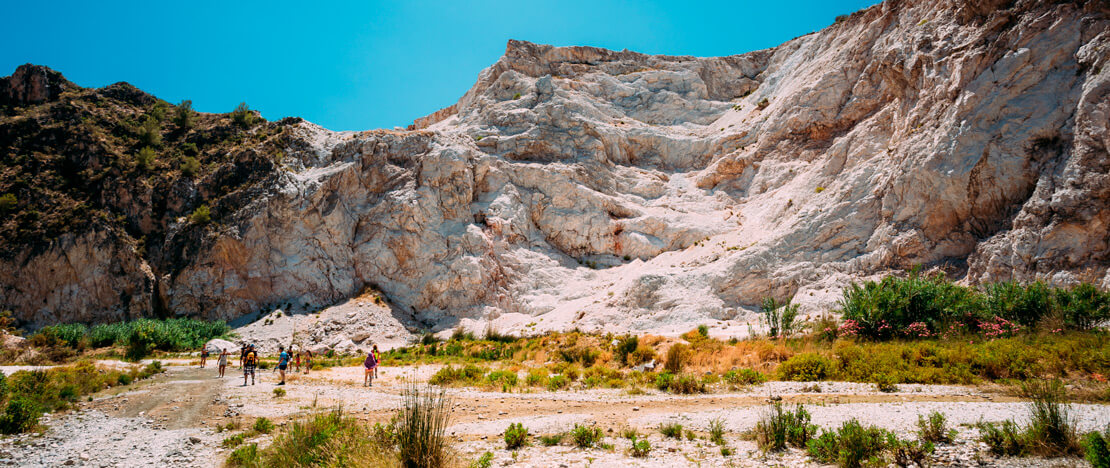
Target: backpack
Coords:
[(251, 357), (371, 361)]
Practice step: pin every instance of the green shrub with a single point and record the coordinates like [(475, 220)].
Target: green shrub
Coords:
[(1097, 449), (69, 333), (686, 384), (20, 415), (484, 461), (502, 378), (1081, 307), (557, 382), (1025, 305), (233, 441), (664, 380), (184, 116), (934, 428), (673, 430), (625, 346), (246, 456), (279, 392), (640, 448), (744, 377), (150, 132), (243, 116), (190, 166), (8, 202), (201, 215), (516, 436), (777, 427), (914, 307), (263, 425), (1005, 439), (850, 446), (585, 436), (144, 159), (806, 367), (885, 383), (449, 375), (703, 330), (581, 355), (909, 452)]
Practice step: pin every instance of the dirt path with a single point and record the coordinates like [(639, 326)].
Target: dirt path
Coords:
[(181, 397)]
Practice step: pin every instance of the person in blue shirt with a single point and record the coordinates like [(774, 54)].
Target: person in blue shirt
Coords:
[(283, 363)]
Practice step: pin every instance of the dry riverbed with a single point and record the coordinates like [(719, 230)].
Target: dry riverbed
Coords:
[(171, 420)]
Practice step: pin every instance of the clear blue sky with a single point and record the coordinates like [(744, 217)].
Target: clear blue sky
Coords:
[(356, 65)]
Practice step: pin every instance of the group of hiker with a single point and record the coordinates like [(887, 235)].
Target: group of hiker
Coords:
[(248, 362)]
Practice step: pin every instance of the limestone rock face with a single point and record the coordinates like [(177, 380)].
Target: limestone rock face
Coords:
[(581, 187)]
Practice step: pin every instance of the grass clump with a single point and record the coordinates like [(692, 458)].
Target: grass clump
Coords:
[(263, 426), (850, 446), (673, 430), (279, 392), (743, 377), (450, 375), (777, 428), (640, 448), (516, 436), (1051, 431), (717, 431), (585, 436), (934, 428), (551, 440), (1096, 447), (420, 427), (677, 355)]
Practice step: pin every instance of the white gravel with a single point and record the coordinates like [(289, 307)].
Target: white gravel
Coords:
[(94, 439)]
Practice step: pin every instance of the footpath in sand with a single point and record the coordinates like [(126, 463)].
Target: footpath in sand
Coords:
[(170, 420)]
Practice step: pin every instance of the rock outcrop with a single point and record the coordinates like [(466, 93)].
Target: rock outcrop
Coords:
[(581, 187)]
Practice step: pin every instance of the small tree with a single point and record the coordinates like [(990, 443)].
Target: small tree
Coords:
[(190, 166), (201, 215), (150, 132), (7, 201), (184, 117), (243, 116), (145, 158)]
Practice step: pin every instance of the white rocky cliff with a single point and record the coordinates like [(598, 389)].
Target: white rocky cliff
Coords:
[(581, 187)]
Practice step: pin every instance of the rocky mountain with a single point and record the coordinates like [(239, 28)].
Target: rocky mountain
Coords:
[(582, 187)]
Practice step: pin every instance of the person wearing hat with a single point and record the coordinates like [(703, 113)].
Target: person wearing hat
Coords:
[(250, 361)]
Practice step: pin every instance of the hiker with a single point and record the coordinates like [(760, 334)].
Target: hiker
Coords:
[(296, 362), (369, 365), (307, 361), (250, 361), (377, 360), (242, 354), (222, 362), (283, 362), (203, 356)]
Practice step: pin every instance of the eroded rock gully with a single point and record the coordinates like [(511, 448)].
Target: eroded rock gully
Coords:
[(576, 186)]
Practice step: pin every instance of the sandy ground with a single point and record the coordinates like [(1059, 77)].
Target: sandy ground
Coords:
[(169, 420)]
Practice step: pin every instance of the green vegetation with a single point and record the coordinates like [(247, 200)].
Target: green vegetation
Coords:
[(201, 215), (779, 317), (243, 116), (263, 426), (551, 440), (279, 392), (640, 448), (1051, 429), (1096, 446), (922, 306), (806, 367), (26, 395), (190, 166), (516, 436), (420, 427), (777, 427), (8, 202), (585, 436), (673, 430), (144, 159), (850, 446), (62, 342), (934, 428), (184, 116), (717, 431)]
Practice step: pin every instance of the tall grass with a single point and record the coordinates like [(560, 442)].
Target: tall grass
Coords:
[(780, 318), (420, 427), (175, 334)]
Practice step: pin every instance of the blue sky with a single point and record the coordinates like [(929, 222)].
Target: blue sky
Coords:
[(356, 65)]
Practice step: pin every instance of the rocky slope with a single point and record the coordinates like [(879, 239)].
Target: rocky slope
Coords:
[(581, 187)]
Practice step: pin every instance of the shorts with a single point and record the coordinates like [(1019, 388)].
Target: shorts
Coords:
[(282, 366), (248, 369)]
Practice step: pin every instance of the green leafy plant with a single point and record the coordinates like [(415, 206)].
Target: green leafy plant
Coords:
[(780, 318), (1096, 448), (673, 430), (640, 448), (717, 431), (201, 215), (263, 426), (516, 436), (934, 428), (585, 436), (806, 367)]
